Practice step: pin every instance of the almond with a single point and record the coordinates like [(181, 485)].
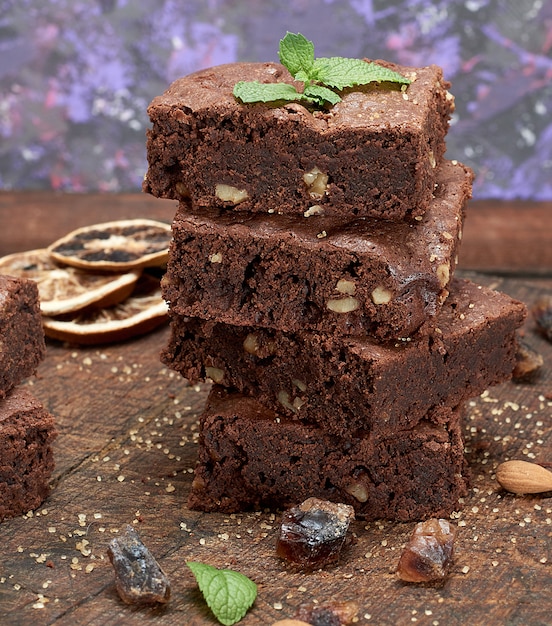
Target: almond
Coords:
[(523, 477)]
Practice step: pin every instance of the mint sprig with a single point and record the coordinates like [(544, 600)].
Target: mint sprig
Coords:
[(228, 594), (320, 76)]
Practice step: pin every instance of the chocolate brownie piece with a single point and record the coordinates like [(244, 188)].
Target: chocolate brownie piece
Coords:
[(361, 277), (350, 384), (27, 431), (250, 457), (22, 345), (374, 153)]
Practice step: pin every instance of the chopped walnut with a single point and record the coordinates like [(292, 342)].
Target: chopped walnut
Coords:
[(214, 373), (228, 193), (317, 183), (343, 305), (381, 295)]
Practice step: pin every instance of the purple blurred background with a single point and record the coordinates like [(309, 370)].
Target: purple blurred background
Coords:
[(76, 77)]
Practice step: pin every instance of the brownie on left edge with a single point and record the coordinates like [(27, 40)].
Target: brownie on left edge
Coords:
[(22, 346), (251, 457), (27, 431)]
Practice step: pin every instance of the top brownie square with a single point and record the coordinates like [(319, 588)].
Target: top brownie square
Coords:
[(373, 154)]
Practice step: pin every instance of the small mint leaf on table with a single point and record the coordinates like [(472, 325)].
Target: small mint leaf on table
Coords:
[(297, 54), (228, 594), (253, 91), (340, 72)]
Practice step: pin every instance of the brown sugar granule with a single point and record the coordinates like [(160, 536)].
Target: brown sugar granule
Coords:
[(428, 554), (328, 614), (528, 363), (542, 314), (138, 577), (313, 534)]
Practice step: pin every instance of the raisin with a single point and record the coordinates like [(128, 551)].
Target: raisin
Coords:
[(138, 577), (428, 554), (313, 534)]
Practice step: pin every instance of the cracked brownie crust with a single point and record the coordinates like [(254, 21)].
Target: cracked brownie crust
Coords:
[(372, 154)]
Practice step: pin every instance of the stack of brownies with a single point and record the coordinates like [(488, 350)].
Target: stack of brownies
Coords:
[(26, 428), (311, 278)]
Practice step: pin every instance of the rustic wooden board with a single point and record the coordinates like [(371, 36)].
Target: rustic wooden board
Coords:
[(125, 453), (124, 456)]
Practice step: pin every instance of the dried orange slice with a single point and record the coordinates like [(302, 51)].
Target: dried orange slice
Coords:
[(115, 246), (67, 289), (144, 310)]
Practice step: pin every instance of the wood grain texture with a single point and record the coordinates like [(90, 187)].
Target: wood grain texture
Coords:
[(125, 453)]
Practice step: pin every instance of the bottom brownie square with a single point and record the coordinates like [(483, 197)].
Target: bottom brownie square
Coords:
[(26, 457), (250, 458)]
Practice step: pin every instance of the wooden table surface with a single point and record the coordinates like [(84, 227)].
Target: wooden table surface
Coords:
[(127, 446)]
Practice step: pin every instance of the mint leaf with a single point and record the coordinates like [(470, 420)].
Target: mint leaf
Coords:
[(228, 594), (340, 72), (297, 54), (254, 91), (321, 94)]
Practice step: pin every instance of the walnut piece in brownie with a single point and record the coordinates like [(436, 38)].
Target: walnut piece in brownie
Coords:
[(357, 277), (22, 345), (374, 153), (349, 384), (27, 431), (251, 457)]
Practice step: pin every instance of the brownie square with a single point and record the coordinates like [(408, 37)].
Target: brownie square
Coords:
[(358, 277), (346, 384), (251, 457), (22, 346), (372, 154), (27, 431)]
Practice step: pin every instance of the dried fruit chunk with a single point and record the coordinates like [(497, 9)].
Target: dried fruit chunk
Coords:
[(115, 246), (138, 577), (542, 313), (143, 311), (428, 554), (66, 289), (328, 614), (528, 363), (314, 533)]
